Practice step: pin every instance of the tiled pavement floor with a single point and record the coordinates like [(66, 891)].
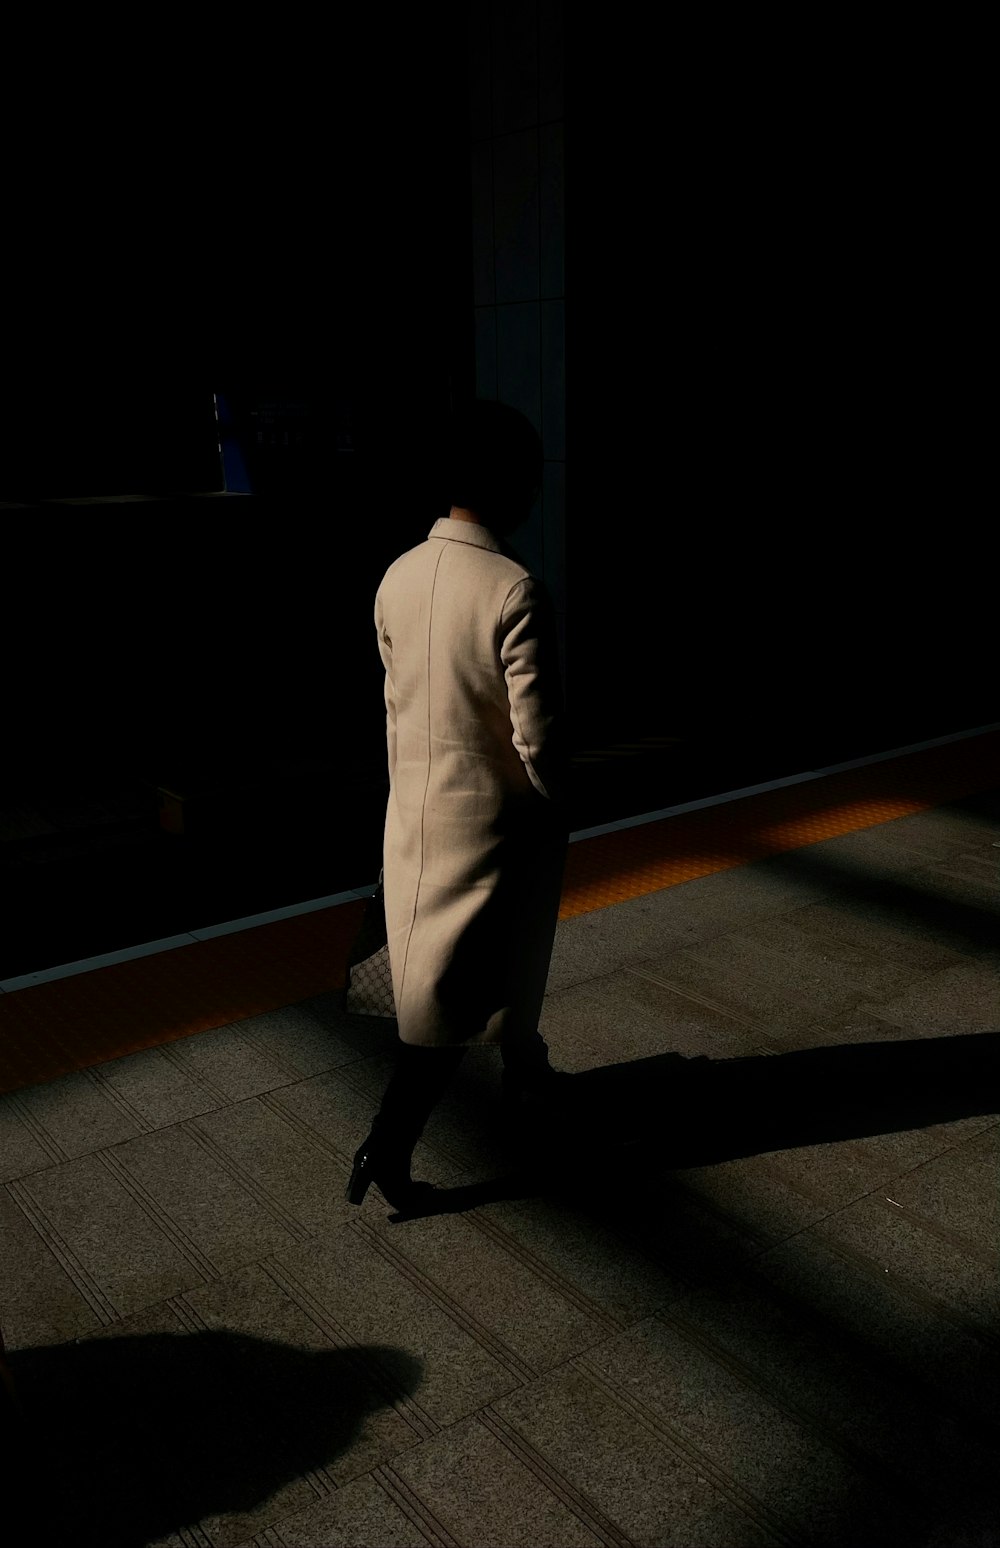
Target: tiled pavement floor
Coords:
[(741, 1290)]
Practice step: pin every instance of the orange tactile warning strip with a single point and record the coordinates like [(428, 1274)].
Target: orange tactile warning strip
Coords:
[(70, 1024), (615, 866)]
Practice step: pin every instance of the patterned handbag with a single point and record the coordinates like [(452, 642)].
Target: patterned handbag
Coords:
[(369, 977)]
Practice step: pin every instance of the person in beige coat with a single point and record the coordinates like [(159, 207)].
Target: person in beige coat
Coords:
[(475, 828)]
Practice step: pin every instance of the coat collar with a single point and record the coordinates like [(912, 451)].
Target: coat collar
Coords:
[(467, 532)]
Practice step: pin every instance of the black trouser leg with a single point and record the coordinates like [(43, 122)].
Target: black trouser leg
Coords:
[(415, 1087), (525, 1058)]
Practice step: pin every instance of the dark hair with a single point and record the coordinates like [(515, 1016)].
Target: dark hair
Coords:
[(493, 462)]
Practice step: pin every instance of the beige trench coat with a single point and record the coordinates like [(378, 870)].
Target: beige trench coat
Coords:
[(475, 831)]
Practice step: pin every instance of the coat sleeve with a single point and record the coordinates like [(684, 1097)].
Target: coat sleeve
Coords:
[(530, 659), (385, 651)]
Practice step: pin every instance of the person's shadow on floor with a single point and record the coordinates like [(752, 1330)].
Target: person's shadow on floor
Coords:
[(122, 1441), (671, 1112)]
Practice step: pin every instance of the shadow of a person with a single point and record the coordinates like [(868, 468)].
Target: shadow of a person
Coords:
[(122, 1441), (634, 1120)]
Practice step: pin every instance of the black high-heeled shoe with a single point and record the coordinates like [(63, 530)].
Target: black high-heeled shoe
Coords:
[(389, 1169)]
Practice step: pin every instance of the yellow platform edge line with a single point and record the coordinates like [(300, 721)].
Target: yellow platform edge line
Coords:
[(635, 881)]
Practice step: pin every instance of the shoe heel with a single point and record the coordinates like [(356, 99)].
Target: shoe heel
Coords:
[(360, 1179), (390, 1172)]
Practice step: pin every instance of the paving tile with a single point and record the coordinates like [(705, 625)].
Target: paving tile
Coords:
[(630, 1015), (899, 908), (969, 879), (935, 910), (334, 1110), (205, 1432), (113, 1241), (513, 1297), (758, 1195), (636, 1474), (890, 925), (307, 1038), (896, 938), (690, 1241), (160, 1319), (898, 847), (226, 1528), (297, 1414), (472, 1159), (255, 1477), (467, 1138), (591, 945), (824, 1373), (958, 1189), (153, 1087), (783, 1190), (960, 999), (961, 1272), (229, 1064), (770, 886), (79, 1115), (768, 986), (205, 1204), (466, 1128), (341, 1116), (111, 1417), (40, 1302), (855, 1024), (755, 1442), (342, 1395), (376, 1302), (893, 1154), (572, 1048), (726, 900), (957, 1130), (609, 1123), (289, 1162), (370, 1071), (582, 1254), (844, 966), (836, 1174), (906, 1333), (215, 1432), (482, 1492), (958, 825), (361, 1512), (23, 1148), (896, 1097)]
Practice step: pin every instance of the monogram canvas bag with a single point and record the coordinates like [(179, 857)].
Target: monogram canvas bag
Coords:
[(369, 978)]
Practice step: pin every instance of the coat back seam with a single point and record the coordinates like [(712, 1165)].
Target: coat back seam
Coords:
[(423, 803)]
